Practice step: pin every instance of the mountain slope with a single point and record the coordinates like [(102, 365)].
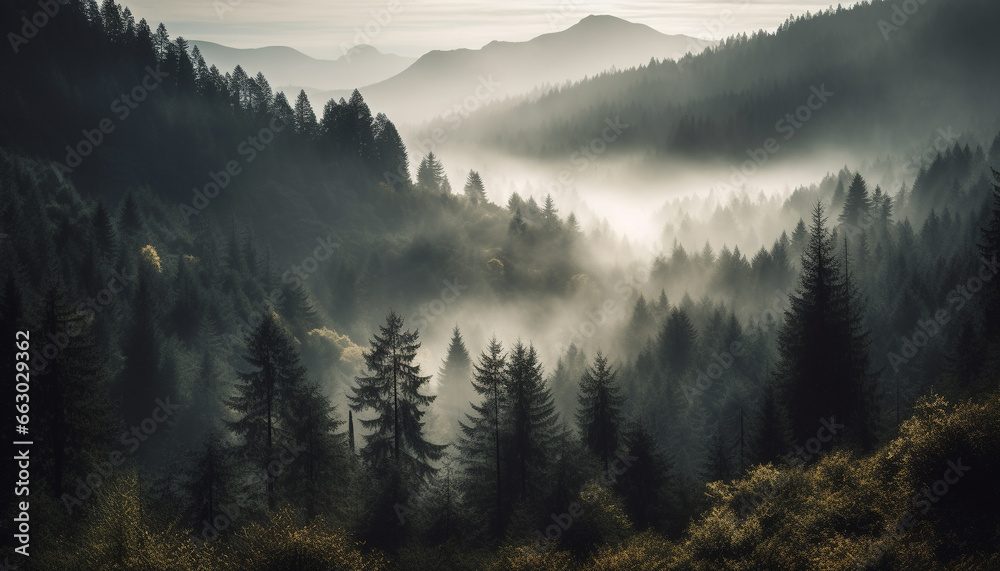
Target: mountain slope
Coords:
[(440, 80), (885, 85), (285, 66)]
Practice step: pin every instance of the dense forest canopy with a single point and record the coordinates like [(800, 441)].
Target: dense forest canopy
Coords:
[(265, 335)]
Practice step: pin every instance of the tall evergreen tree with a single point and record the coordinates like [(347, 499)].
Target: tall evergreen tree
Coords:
[(481, 434), (209, 484), (677, 342), (319, 472), (71, 410), (600, 414), (531, 417), (823, 348), (392, 390), (474, 189), (454, 387), (649, 486), (858, 205), (265, 394), (305, 117)]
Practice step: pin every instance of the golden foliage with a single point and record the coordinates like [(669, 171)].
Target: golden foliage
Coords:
[(284, 544), (151, 256)]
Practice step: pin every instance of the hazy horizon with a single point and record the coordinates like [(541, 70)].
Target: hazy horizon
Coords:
[(320, 29)]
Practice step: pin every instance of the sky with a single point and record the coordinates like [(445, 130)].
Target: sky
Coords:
[(327, 28)]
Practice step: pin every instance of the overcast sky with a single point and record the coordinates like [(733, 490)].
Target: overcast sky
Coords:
[(320, 27)]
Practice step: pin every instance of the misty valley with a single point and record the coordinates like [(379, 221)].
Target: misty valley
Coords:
[(581, 296)]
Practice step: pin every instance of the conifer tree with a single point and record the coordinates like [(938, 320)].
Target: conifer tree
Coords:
[(648, 486), (531, 417), (480, 440), (474, 189), (104, 231), (318, 471), (822, 345), (71, 411), (305, 117), (858, 205), (264, 396), (209, 483), (430, 174), (517, 224), (392, 390), (676, 342), (454, 388), (719, 463), (770, 436), (989, 250), (600, 414)]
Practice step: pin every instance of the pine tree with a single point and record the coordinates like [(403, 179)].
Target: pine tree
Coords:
[(474, 189), (430, 174), (480, 440), (208, 483), (823, 348), (989, 250), (454, 378), (161, 42), (390, 152), (104, 231), (305, 117), (837, 201), (143, 379), (550, 215), (392, 391), (858, 206), (71, 411), (677, 342), (648, 486), (600, 414), (532, 419), (318, 472), (129, 218), (517, 224), (770, 436), (719, 463), (642, 324), (264, 395)]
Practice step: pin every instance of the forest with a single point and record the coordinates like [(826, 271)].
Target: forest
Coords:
[(264, 335)]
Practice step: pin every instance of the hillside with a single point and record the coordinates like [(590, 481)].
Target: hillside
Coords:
[(885, 86), (440, 80)]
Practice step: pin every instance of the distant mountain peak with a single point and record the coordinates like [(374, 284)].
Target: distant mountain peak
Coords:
[(602, 20)]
